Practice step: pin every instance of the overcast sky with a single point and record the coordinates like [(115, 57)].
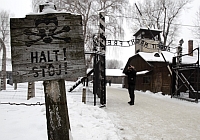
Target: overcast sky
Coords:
[(17, 7)]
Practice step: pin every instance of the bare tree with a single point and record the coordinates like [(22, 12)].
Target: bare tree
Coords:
[(4, 38), (89, 10), (196, 30), (160, 14)]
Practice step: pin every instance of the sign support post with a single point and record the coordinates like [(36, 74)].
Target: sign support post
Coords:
[(58, 124)]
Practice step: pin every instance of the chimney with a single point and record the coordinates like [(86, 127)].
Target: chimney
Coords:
[(46, 5), (190, 47)]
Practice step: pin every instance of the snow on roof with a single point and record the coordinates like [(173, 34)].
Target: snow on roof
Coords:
[(142, 72), (189, 59), (48, 9), (147, 29), (112, 72), (157, 57)]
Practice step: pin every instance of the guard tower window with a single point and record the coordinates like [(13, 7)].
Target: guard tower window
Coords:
[(157, 55), (148, 34)]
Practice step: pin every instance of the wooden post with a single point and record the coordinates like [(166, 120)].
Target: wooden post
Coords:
[(15, 86), (31, 90), (3, 71), (84, 95), (58, 125)]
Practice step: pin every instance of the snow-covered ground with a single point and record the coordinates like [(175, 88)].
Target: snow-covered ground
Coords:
[(153, 117), (88, 122), (22, 122)]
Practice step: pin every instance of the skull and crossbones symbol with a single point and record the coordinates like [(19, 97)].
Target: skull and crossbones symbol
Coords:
[(46, 30)]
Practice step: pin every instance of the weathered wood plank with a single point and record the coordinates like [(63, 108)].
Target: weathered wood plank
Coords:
[(47, 47), (47, 71), (62, 19), (41, 54)]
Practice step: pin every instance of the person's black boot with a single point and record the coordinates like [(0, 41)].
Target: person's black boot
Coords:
[(131, 103)]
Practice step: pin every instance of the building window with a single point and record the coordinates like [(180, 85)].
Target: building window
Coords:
[(146, 80)]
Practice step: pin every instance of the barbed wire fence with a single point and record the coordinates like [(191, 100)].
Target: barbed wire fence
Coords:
[(16, 97)]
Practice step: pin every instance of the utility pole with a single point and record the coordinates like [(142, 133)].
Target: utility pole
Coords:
[(3, 71), (96, 69), (102, 56)]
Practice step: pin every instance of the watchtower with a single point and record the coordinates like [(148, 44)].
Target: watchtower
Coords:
[(147, 40)]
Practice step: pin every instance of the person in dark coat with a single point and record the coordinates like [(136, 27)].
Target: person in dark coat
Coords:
[(131, 73), (109, 82)]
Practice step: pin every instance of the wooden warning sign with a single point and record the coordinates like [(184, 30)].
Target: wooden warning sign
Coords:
[(47, 47)]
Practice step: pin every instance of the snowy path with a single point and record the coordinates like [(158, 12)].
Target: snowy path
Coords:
[(152, 117)]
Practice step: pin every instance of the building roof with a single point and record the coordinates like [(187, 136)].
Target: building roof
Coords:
[(142, 72), (153, 31), (114, 72), (157, 57)]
